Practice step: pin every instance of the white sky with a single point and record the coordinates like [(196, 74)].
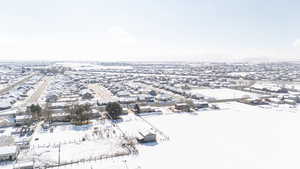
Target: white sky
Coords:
[(207, 30)]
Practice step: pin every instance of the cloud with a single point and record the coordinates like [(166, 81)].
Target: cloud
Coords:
[(296, 43)]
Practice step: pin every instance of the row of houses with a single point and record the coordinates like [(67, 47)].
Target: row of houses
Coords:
[(18, 93), (276, 99)]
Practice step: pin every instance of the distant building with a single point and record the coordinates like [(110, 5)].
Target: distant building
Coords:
[(23, 119), (183, 107), (200, 105), (4, 105), (51, 98), (86, 94), (146, 109), (61, 117), (127, 100), (8, 153), (254, 101), (290, 101), (6, 121), (8, 149)]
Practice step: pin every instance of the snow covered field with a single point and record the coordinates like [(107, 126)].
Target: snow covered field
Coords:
[(240, 136), (237, 136), (223, 93), (75, 143)]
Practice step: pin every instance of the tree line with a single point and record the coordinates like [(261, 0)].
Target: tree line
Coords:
[(77, 113)]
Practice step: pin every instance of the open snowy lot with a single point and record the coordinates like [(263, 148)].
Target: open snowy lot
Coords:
[(223, 93), (237, 136), (74, 143)]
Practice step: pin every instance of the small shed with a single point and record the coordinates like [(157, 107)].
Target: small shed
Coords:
[(146, 137), (183, 107)]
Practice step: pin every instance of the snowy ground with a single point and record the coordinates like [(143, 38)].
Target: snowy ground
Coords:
[(223, 93), (236, 136), (240, 136), (75, 143)]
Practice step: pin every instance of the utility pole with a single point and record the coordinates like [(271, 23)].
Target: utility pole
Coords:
[(33, 161), (125, 164), (59, 154)]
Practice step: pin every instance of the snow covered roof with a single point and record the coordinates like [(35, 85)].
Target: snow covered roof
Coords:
[(6, 141), (199, 102), (163, 97), (4, 104), (123, 93), (84, 91), (127, 99), (23, 117), (4, 150), (8, 112), (6, 121), (145, 132)]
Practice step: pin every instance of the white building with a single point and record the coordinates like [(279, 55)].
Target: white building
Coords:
[(22, 119), (8, 153)]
